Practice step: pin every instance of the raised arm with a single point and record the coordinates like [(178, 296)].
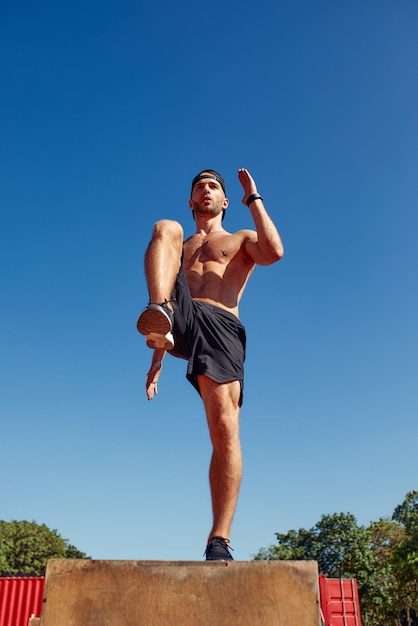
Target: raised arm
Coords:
[(266, 247), (154, 373)]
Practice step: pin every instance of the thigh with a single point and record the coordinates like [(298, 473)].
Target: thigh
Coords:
[(182, 299), (183, 328)]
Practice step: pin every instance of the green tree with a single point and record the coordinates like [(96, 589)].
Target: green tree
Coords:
[(342, 549), (336, 542), (405, 553), (25, 547), (384, 600), (383, 557)]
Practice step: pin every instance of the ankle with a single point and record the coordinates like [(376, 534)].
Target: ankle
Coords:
[(162, 302)]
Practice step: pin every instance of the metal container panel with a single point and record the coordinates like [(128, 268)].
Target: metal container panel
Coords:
[(20, 598), (339, 601)]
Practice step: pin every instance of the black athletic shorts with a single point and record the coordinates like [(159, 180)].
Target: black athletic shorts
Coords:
[(210, 338)]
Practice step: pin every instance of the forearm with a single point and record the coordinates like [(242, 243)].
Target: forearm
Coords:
[(268, 247), (158, 357), (269, 240)]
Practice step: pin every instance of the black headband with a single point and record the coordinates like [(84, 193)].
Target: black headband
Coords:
[(216, 177)]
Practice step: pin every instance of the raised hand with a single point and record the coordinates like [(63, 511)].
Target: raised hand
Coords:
[(248, 184), (152, 379)]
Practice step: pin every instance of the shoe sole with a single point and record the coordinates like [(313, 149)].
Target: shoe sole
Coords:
[(153, 321), (156, 326), (157, 341)]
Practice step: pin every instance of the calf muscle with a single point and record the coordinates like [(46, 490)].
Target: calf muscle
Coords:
[(222, 413)]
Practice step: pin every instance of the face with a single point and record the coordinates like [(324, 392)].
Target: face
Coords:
[(208, 197)]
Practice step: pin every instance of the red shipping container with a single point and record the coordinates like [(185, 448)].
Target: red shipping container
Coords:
[(20, 598), (339, 601)]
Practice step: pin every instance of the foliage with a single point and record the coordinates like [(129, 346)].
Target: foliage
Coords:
[(382, 557), (405, 554), (382, 600), (336, 542), (25, 547)]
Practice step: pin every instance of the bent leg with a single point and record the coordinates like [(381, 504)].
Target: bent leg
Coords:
[(222, 412), (163, 259), (162, 264)]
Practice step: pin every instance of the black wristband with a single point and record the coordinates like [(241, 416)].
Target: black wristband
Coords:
[(254, 196)]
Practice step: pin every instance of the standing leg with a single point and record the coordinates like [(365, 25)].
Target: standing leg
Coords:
[(222, 411)]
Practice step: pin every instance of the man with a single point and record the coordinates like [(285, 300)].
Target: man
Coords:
[(195, 287)]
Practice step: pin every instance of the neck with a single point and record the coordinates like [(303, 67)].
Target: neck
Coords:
[(208, 224)]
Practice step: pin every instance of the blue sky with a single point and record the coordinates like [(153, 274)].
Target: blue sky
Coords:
[(107, 112)]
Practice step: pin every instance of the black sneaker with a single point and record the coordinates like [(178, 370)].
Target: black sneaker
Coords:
[(218, 550), (156, 323)]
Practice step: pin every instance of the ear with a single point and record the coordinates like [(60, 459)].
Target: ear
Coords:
[(225, 203), (191, 204)]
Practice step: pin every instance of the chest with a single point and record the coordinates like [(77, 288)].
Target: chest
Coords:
[(215, 249)]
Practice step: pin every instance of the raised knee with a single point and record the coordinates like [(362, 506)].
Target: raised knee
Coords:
[(169, 229)]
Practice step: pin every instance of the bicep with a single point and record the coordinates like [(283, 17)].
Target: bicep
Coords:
[(253, 251)]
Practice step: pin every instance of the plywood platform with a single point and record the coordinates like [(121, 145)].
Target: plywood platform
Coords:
[(180, 593)]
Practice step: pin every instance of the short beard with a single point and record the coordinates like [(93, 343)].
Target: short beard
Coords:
[(212, 211)]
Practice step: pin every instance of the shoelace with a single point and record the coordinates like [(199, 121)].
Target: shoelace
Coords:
[(225, 543), (164, 304)]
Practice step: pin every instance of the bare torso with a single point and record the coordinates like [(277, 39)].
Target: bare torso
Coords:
[(217, 267)]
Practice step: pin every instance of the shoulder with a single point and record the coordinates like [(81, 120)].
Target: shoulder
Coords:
[(246, 234), (188, 239), (240, 238)]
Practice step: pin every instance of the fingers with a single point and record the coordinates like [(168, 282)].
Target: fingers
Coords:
[(152, 379), (152, 390), (244, 176), (151, 386), (247, 182)]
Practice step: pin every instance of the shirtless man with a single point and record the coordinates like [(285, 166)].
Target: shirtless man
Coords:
[(195, 287)]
